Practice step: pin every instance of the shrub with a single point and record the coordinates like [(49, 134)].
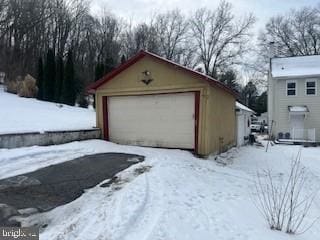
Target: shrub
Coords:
[(83, 101), (281, 201), (12, 87), (28, 87)]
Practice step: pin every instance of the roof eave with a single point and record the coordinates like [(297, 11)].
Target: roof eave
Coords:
[(213, 82), (296, 76), (94, 86)]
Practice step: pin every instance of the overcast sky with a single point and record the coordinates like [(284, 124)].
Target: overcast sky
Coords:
[(141, 10)]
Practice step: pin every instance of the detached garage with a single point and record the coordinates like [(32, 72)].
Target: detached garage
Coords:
[(150, 101)]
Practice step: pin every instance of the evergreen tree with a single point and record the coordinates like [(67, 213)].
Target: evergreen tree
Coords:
[(229, 78), (69, 94), (261, 103), (99, 71), (40, 79), (49, 76), (249, 95), (110, 64), (102, 69), (123, 59), (82, 100), (59, 79)]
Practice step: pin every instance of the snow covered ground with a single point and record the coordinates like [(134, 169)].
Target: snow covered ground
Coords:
[(19, 115), (181, 197)]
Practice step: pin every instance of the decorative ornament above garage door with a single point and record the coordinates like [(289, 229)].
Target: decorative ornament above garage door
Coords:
[(147, 78)]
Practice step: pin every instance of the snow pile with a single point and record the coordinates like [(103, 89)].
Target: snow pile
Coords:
[(180, 197), (28, 159), (18, 115), (296, 66)]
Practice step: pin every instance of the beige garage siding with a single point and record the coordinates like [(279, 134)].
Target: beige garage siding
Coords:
[(221, 121)]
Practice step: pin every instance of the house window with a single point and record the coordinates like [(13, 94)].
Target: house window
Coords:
[(291, 88), (311, 87)]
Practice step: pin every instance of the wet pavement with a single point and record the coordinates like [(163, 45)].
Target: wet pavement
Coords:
[(56, 185)]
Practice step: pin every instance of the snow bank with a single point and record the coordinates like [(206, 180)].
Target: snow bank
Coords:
[(19, 114), (181, 197)]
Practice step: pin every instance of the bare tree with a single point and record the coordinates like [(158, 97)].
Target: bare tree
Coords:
[(143, 36), (19, 36), (292, 34), (187, 55), (28, 28), (220, 37), (167, 34), (109, 31), (171, 28)]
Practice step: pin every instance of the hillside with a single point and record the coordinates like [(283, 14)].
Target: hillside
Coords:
[(19, 115)]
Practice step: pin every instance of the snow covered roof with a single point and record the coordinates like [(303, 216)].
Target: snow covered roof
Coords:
[(295, 66), (298, 109), (243, 107)]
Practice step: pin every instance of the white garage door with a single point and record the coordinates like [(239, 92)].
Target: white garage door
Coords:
[(164, 120)]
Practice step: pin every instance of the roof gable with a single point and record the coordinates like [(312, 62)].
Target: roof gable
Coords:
[(94, 86)]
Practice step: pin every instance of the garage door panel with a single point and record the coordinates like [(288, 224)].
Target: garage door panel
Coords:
[(165, 120)]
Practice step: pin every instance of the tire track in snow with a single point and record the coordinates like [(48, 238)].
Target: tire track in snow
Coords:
[(142, 222), (138, 213), (121, 216)]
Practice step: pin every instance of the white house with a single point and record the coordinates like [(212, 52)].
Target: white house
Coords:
[(293, 98), (243, 114)]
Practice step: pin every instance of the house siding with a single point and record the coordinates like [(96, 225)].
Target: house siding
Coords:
[(279, 102)]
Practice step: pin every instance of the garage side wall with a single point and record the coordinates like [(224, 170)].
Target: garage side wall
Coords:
[(221, 122)]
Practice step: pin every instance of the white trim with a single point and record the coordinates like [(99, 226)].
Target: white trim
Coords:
[(316, 86), (296, 77), (296, 88), (243, 107)]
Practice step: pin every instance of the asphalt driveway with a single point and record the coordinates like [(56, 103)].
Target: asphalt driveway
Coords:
[(59, 184)]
